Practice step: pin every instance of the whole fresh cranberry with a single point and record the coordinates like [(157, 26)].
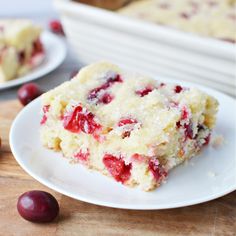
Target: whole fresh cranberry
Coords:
[(38, 206), (56, 27), (28, 92)]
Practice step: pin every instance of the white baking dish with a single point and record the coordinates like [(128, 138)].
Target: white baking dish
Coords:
[(97, 34)]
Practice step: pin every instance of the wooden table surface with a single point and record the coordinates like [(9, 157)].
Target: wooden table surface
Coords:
[(217, 217)]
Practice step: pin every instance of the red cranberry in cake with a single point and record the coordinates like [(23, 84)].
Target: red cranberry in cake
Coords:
[(207, 140), (106, 98), (186, 124), (21, 57), (145, 91), (162, 85), (117, 168), (99, 94), (127, 121), (185, 113), (157, 170), (128, 125), (82, 155), (37, 47), (45, 111), (137, 157), (178, 88), (80, 119), (188, 130)]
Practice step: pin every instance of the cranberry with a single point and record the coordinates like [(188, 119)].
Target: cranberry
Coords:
[(137, 157), (127, 121), (178, 124), (144, 91), (82, 156), (189, 130), (124, 122), (95, 94), (28, 92), (178, 88), (117, 168), (56, 27), (207, 140), (157, 170), (184, 114), (45, 111), (37, 47), (21, 56), (200, 127), (185, 15), (38, 206), (106, 98), (162, 85), (80, 120)]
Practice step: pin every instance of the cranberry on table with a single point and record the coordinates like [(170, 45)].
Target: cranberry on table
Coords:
[(28, 92), (56, 27), (38, 206)]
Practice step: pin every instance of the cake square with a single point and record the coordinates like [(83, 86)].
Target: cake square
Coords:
[(130, 127)]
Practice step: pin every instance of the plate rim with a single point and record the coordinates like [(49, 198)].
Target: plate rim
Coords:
[(107, 203), (20, 80)]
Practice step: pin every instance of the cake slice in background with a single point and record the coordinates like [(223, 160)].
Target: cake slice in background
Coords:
[(130, 127), (20, 48)]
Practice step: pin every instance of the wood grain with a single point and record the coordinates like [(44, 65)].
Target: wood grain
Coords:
[(217, 217)]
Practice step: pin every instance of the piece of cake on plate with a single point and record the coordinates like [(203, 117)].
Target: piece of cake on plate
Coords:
[(130, 127), (212, 18), (20, 48)]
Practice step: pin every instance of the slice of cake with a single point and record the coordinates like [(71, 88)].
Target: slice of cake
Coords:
[(213, 18), (20, 48), (129, 127)]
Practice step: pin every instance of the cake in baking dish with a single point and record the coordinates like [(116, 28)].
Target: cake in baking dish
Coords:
[(107, 4), (20, 48), (130, 127), (213, 18)]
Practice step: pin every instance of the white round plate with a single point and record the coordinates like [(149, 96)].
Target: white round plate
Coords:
[(186, 185), (55, 54)]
